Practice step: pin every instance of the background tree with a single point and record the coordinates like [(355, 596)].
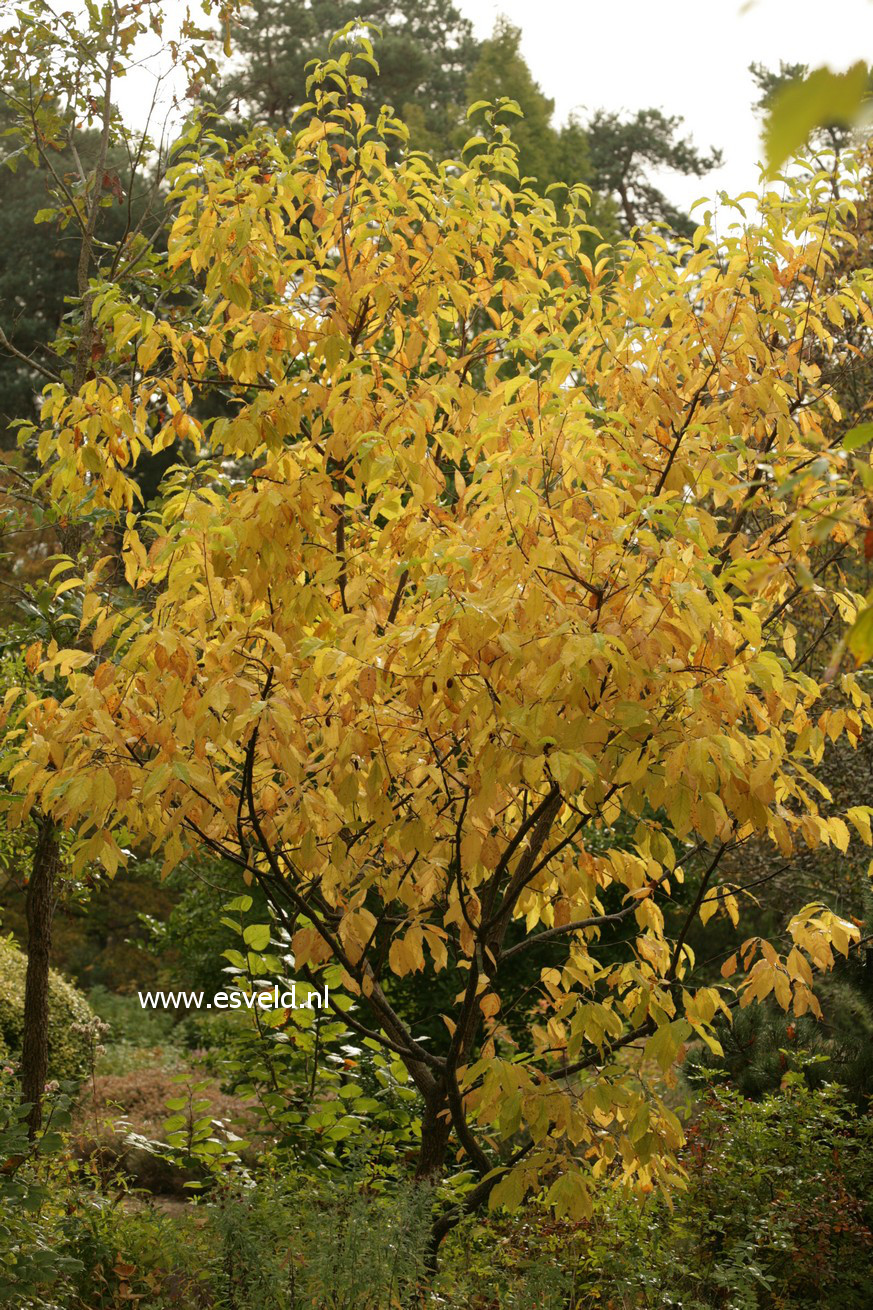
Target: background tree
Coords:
[(59, 93), (40, 253), (430, 68), (426, 50), (623, 153), (501, 70), (800, 106), (783, 94), (614, 156)]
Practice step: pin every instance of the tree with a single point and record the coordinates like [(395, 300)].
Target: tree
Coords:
[(426, 49), (483, 588), (40, 254), (800, 109), (501, 70), (59, 91), (613, 156), (623, 152)]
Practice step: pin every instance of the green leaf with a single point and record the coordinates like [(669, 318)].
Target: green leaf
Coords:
[(570, 1196), (814, 101), (860, 639), (241, 903), (858, 436), (257, 935)]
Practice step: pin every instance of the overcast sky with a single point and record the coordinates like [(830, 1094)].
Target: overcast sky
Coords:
[(687, 57)]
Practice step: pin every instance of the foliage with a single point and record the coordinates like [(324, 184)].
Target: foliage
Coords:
[(127, 1019), (545, 154), (97, 933), (342, 1247), (510, 550), (614, 156), (188, 936), (38, 262), (67, 1009), (325, 1096), (762, 1043), (120, 1123), (776, 1212), (195, 1139), (28, 1262), (430, 68), (801, 105)]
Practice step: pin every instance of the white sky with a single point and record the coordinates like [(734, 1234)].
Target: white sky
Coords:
[(687, 57)]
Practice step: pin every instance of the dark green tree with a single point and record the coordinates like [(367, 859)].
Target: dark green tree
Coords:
[(615, 157), (623, 153), (39, 256), (425, 53), (501, 71)]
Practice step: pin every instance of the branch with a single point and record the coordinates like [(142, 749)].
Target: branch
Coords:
[(462, 1128), (540, 822), (398, 595), (32, 363), (698, 901), (478, 1196), (601, 1057), (596, 921)]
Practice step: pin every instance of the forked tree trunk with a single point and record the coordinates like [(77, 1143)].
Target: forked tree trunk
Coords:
[(40, 910)]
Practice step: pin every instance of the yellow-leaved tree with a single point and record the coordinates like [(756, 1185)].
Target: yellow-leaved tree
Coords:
[(494, 558)]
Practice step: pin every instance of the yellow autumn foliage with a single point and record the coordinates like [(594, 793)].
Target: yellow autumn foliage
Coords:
[(497, 550)]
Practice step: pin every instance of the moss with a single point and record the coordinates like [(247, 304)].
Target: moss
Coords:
[(67, 1049)]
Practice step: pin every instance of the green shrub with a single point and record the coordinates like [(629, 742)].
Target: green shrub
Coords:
[(67, 1007), (776, 1215), (129, 1022)]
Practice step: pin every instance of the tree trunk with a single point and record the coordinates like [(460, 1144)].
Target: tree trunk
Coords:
[(436, 1129), (40, 911)]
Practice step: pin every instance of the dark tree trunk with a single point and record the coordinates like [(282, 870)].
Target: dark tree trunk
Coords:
[(40, 911), (436, 1129)]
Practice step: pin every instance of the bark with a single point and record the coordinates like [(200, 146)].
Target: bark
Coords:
[(40, 911), (436, 1128)]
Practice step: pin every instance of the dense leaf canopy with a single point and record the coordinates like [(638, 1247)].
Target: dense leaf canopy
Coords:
[(499, 548)]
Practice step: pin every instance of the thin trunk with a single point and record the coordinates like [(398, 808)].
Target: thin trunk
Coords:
[(40, 911)]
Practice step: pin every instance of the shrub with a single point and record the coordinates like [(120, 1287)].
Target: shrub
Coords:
[(776, 1215), (130, 1023), (136, 1104), (67, 1007)]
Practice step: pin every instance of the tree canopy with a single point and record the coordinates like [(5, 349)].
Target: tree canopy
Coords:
[(426, 50), (622, 153), (498, 555)]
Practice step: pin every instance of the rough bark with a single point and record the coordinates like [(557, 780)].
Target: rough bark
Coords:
[(436, 1128), (40, 911)]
